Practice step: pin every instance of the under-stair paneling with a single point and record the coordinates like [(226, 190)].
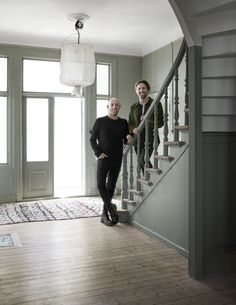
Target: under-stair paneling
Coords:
[(219, 44), (219, 192), (219, 106), (164, 212), (221, 123), (213, 67), (219, 82), (219, 87)]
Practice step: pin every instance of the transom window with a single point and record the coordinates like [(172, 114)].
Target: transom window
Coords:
[(3, 74), (42, 76)]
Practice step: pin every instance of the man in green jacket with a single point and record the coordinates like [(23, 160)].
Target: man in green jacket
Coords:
[(136, 115)]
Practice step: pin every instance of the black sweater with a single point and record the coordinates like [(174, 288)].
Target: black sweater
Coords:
[(108, 136)]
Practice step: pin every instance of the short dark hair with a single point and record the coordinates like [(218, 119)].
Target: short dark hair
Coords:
[(143, 82)]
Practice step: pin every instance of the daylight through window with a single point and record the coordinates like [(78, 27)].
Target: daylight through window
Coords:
[(103, 94)]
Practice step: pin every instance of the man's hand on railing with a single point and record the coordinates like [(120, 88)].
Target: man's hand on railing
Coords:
[(135, 130), (129, 139)]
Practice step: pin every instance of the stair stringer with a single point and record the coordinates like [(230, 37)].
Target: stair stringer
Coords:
[(162, 210), (165, 166)]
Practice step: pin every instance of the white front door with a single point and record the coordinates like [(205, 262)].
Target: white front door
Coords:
[(53, 148), (38, 147)]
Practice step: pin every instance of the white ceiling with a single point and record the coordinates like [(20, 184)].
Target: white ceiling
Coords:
[(131, 27)]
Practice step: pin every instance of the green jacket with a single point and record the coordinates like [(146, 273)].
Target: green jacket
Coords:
[(134, 122)]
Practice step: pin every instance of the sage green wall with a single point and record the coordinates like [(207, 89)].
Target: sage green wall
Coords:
[(156, 65), (129, 70)]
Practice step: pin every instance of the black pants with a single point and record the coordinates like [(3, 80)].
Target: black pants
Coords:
[(107, 175), (142, 156)]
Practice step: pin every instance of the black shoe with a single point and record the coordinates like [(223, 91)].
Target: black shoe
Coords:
[(113, 213), (106, 221), (114, 207)]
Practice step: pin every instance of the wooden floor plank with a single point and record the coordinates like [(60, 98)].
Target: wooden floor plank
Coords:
[(83, 262)]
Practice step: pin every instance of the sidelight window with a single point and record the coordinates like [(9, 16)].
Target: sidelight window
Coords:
[(103, 88), (3, 110)]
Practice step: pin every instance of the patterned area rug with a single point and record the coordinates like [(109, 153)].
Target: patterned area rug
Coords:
[(53, 209)]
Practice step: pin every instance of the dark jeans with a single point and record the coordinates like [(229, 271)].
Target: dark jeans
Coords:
[(107, 175)]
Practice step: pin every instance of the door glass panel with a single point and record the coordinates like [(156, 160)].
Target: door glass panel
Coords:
[(42, 76), (3, 130), (68, 146), (102, 79), (102, 108), (3, 74), (37, 129)]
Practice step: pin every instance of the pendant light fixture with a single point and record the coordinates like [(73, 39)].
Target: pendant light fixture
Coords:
[(77, 62)]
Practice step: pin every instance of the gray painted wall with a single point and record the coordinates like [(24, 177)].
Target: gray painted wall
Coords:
[(129, 70), (157, 64), (219, 192), (164, 212)]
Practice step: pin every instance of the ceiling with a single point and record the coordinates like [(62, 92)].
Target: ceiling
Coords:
[(130, 27)]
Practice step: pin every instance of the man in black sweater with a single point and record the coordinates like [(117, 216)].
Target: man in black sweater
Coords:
[(108, 135)]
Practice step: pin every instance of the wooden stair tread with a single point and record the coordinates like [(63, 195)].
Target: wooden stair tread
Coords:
[(154, 170), (182, 127), (162, 157), (133, 191), (147, 182), (174, 143), (129, 201)]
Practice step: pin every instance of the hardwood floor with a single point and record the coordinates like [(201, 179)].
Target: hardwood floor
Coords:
[(83, 262)]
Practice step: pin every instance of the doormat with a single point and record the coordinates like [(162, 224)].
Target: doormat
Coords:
[(10, 240), (52, 209)]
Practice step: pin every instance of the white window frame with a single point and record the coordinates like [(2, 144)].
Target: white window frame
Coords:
[(5, 94)]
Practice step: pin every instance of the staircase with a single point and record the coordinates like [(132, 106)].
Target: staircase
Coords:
[(209, 215), (147, 200), (158, 203)]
